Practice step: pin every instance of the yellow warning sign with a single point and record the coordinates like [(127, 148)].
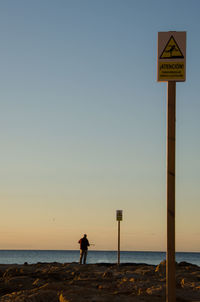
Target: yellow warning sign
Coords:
[(171, 56), (171, 71), (171, 50), (119, 215)]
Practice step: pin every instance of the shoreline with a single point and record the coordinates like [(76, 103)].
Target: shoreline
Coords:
[(94, 257)]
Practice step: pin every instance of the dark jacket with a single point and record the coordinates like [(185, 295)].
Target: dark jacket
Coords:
[(84, 243)]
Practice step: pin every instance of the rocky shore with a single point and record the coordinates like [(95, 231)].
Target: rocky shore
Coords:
[(71, 282)]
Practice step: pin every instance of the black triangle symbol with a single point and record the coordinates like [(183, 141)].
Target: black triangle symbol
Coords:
[(171, 50)]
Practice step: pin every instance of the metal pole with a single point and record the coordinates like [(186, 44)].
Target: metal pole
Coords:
[(118, 262), (171, 140)]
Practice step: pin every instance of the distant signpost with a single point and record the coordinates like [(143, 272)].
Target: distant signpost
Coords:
[(171, 68), (119, 218)]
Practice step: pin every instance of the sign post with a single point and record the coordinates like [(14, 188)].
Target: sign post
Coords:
[(171, 141), (171, 68), (118, 218)]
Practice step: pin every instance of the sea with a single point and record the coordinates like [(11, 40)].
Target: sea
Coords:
[(69, 256)]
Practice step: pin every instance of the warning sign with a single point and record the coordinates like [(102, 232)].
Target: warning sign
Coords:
[(171, 69), (172, 51), (171, 56), (119, 215)]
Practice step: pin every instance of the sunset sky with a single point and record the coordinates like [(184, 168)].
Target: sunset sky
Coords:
[(83, 124)]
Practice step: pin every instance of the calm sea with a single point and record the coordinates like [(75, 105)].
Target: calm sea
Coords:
[(34, 256)]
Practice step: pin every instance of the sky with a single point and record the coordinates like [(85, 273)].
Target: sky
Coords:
[(83, 125)]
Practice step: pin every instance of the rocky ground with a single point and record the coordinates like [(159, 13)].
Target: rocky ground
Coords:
[(71, 282)]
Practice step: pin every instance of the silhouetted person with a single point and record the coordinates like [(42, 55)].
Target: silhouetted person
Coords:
[(84, 243)]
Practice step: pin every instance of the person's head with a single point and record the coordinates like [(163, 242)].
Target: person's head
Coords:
[(85, 235)]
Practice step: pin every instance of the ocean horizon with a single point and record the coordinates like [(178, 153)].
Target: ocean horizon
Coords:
[(102, 256)]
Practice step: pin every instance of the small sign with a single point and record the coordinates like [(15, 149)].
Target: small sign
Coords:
[(171, 56), (119, 215)]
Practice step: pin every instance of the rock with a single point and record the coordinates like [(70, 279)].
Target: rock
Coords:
[(155, 290), (38, 283), (107, 275), (19, 283), (187, 283), (40, 296), (140, 291), (161, 268), (11, 272), (55, 282), (43, 296), (63, 298), (184, 263)]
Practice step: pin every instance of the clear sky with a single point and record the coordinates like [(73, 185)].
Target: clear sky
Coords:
[(83, 124)]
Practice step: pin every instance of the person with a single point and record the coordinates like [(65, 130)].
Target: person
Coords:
[(84, 243)]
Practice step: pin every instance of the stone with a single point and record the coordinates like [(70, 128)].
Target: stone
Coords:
[(107, 275), (155, 290), (161, 268)]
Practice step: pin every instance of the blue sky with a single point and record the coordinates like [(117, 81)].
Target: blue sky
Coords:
[(83, 124)]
